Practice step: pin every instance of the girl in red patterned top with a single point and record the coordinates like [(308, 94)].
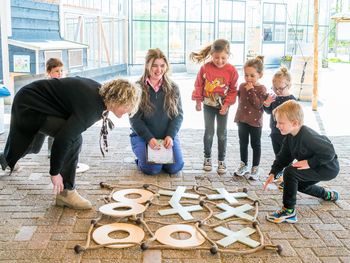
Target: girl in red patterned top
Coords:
[(249, 116), (216, 88)]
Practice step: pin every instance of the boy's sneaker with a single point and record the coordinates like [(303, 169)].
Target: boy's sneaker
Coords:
[(221, 167), (242, 169), (207, 166), (283, 215), (332, 196), (281, 185), (254, 173)]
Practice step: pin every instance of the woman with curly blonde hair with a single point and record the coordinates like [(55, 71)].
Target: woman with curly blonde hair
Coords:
[(63, 109), (159, 117)]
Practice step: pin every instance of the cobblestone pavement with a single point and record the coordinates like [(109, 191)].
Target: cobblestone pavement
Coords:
[(32, 229)]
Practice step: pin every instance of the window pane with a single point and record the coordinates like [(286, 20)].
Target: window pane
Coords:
[(141, 42), (237, 32), (141, 9), (193, 10), (176, 40), (207, 33), (90, 31), (193, 37), (280, 13), (268, 32), (225, 10), (159, 36), (280, 32), (225, 30), (269, 12), (238, 11), (159, 9), (177, 10), (208, 10), (324, 10)]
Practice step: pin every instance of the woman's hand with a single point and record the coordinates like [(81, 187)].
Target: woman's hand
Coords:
[(168, 142), (224, 109), (154, 144), (301, 165), (57, 182), (198, 105)]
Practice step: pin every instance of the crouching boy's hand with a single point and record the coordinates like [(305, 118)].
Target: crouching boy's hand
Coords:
[(268, 181)]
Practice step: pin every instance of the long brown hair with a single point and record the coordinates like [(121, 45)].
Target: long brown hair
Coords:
[(218, 45), (170, 89)]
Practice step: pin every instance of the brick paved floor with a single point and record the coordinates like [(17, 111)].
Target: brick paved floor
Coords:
[(32, 229)]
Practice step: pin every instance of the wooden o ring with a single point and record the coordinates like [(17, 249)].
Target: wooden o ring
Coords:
[(101, 234), (163, 235), (119, 196), (110, 209)]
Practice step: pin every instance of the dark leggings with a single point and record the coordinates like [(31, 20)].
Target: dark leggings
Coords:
[(210, 113), (244, 131), (51, 127)]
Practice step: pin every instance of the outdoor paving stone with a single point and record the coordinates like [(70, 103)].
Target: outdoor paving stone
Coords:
[(307, 255), (331, 251), (152, 256), (330, 259), (25, 233)]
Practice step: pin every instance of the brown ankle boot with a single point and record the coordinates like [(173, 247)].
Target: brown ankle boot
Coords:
[(72, 199)]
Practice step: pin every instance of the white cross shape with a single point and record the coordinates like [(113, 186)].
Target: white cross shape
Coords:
[(240, 236), (178, 194), (229, 197), (183, 211), (234, 211)]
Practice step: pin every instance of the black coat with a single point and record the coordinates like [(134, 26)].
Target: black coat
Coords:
[(74, 99)]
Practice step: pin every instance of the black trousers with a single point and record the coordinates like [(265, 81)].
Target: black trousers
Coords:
[(277, 140), (305, 181), (51, 127), (244, 132)]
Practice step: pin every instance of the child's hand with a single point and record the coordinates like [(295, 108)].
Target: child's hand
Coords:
[(270, 98), (249, 86), (198, 105), (301, 165), (168, 142), (224, 109), (268, 181)]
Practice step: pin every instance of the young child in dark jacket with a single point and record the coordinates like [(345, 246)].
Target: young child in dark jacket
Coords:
[(315, 158)]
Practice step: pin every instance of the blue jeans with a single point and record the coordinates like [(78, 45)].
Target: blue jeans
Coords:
[(221, 131), (139, 148)]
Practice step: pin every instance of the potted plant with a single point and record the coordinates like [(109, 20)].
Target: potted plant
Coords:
[(286, 61)]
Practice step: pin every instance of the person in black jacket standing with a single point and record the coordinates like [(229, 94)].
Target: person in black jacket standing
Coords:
[(63, 109), (159, 117), (315, 158)]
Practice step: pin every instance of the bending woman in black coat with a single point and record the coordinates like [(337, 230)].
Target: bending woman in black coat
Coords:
[(63, 109)]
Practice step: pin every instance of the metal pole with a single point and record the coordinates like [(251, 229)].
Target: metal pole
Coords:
[(315, 80)]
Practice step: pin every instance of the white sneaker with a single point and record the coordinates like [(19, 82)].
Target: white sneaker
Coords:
[(242, 169), (221, 167), (254, 173), (207, 165)]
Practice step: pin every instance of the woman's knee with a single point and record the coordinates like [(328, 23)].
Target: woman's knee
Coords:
[(174, 168), (150, 169)]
